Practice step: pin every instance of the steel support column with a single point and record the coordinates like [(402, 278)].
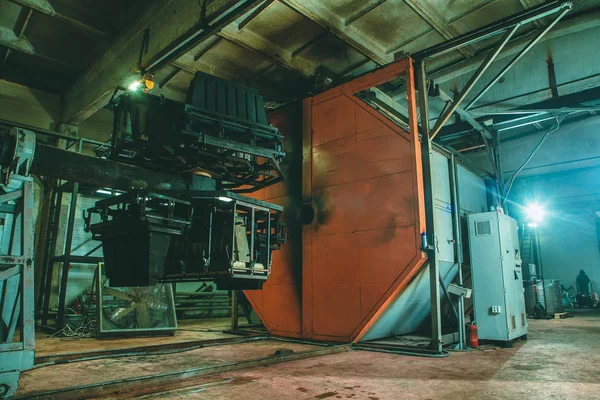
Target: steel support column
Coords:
[(457, 231), (234, 310), (62, 292), (434, 268), (52, 229)]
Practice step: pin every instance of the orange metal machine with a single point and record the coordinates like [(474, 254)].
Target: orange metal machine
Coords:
[(362, 175)]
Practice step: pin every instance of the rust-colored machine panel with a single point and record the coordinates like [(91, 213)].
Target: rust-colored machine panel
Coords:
[(278, 304), (362, 175)]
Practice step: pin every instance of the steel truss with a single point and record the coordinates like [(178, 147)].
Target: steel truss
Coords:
[(507, 27)]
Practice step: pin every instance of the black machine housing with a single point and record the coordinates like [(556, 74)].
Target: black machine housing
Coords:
[(222, 135), (220, 236), (221, 132)]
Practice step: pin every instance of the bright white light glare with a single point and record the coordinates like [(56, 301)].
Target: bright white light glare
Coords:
[(535, 213), (107, 191), (532, 225), (225, 199), (134, 85)]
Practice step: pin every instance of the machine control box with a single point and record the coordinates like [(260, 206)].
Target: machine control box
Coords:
[(498, 300)]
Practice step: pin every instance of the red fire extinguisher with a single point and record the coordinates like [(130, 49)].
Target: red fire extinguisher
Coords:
[(473, 338)]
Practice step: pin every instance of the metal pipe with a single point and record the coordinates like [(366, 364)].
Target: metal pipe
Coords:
[(434, 269), (474, 79), (499, 165), (203, 30), (512, 62), (563, 110), (495, 28), (465, 162), (458, 254)]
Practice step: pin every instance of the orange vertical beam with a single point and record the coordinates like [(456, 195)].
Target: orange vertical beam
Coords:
[(413, 124)]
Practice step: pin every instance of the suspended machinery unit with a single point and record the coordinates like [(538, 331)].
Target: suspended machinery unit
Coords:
[(221, 142)]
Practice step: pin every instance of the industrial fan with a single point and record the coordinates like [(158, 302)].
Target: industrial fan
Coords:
[(134, 311)]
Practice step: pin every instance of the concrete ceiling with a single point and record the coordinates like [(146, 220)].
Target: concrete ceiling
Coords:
[(46, 45), (83, 49)]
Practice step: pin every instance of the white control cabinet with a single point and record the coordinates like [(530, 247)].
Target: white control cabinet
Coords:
[(498, 294)]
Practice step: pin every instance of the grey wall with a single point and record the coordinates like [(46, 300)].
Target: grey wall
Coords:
[(412, 306), (568, 236), (574, 145), (569, 244)]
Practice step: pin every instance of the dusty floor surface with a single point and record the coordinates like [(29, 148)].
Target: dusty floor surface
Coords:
[(189, 331), (561, 360)]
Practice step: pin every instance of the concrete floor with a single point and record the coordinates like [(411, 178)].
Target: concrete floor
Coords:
[(560, 361), (189, 331)]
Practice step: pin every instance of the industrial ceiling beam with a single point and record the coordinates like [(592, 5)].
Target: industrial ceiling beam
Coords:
[(173, 27), (210, 44), (493, 29), (437, 21), (483, 132), (531, 3), (362, 12), (563, 28), (310, 43), (19, 43), (246, 19), (10, 40), (316, 11), (269, 50), (452, 107), (516, 58), (356, 66), (465, 115), (19, 31), (454, 70), (44, 7)]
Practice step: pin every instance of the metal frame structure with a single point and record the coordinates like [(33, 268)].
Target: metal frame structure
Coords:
[(222, 258), (507, 27), (17, 313), (66, 257), (16, 286)]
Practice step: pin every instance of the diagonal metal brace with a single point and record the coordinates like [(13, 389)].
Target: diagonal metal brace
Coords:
[(474, 79), (465, 115), (512, 62), (483, 131)]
